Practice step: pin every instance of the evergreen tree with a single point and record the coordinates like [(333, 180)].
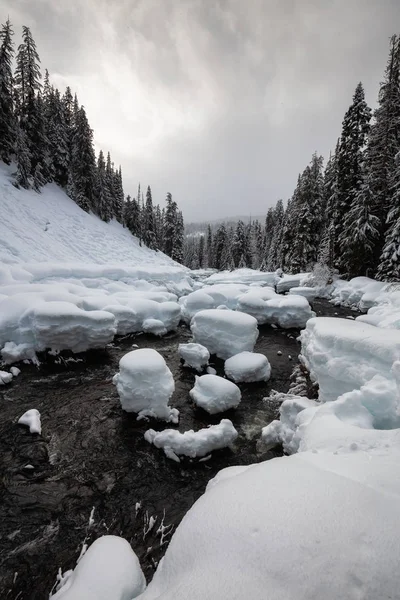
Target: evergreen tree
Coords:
[(27, 84), (102, 193), (389, 268), (272, 262), (7, 119), (268, 236), (58, 137), (209, 248), (149, 234), (384, 143), (177, 250), (169, 226), (240, 244), (220, 245), (355, 130), (83, 164), (201, 253)]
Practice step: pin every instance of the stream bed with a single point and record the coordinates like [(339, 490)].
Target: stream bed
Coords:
[(92, 455)]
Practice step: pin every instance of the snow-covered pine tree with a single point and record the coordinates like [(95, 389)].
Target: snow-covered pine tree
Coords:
[(169, 225), (268, 235), (272, 261), (149, 234), (58, 136), (103, 205), (159, 227), (177, 250), (389, 268), (7, 118), (209, 248), (327, 243), (83, 163), (355, 130), (219, 248), (384, 144), (257, 244), (118, 195), (201, 252), (27, 84), (240, 243)]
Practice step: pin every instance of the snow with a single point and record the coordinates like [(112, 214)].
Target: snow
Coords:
[(308, 292), (257, 534), (359, 292), (195, 356), (109, 569), (5, 377), (343, 355), (248, 367), (286, 282), (145, 385), (284, 431), (215, 394), (273, 309), (31, 418), (15, 371), (193, 443), (245, 276), (224, 332)]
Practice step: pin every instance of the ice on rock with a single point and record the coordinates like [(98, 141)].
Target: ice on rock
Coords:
[(248, 367), (145, 385), (31, 419), (5, 377), (215, 394), (224, 332), (195, 356), (109, 569), (193, 443)]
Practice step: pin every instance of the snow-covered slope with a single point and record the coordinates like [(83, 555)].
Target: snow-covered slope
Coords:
[(50, 227)]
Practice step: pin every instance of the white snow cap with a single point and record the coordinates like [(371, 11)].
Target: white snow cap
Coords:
[(5, 377), (193, 443), (224, 332), (31, 418), (194, 355), (248, 367), (109, 569), (215, 394), (145, 384)]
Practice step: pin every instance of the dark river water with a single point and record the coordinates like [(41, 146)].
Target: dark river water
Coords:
[(92, 454)]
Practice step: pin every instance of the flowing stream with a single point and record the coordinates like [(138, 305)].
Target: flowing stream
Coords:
[(93, 455)]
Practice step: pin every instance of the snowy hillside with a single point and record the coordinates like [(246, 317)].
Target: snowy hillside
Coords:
[(50, 227)]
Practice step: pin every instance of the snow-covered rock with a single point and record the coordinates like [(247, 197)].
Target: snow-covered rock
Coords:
[(224, 332), (343, 355), (359, 292), (108, 569), (273, 309), (335, 546), (286, 282), (215, 394), (195, 356), (193, 443), (145, 385), (284, 431), (211, 296), (308, 292), (31, 419), (5, 377), (248, 367), (244, 276), (15, 371)]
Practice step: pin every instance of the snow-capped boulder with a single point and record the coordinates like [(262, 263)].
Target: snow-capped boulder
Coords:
[(215, 394), (145, 385), (195, 356), (248, 367), (31, 419), (224, 332), (193, 443)]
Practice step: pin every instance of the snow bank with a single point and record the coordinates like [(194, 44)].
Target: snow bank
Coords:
[(31, 419), (284, 431), (308, 292), (342, 355), (246, 276), (271, 308), (224, 332), (286, 282), (215, 394), (211, 296), (248, 367), (195, 356), (193, 443), (109, 569), (359, 292), (275, 543), (145, 385)]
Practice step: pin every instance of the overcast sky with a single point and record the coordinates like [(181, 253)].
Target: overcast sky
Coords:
[(220, 102)]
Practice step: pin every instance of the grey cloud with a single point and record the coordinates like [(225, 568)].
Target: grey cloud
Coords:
[(220, 102)]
